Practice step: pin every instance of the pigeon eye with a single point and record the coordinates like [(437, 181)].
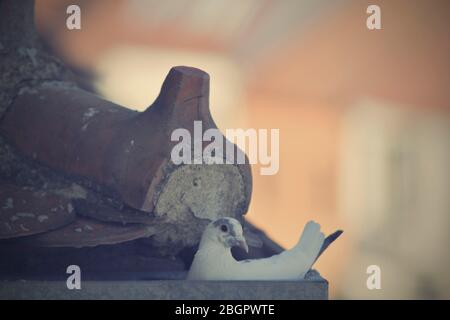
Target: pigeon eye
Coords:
[(224, 228)]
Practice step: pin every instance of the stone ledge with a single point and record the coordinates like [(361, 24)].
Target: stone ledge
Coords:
[(313, 287)]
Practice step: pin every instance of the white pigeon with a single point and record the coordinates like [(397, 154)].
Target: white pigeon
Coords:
[(214, 261)]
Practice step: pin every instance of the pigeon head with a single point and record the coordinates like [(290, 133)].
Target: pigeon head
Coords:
[(228, 232)]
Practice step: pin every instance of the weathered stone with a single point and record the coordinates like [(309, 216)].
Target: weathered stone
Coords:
[(313, 287), (27, 211), (84, 232)]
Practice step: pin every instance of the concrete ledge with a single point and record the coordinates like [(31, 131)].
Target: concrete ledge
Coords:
[(313, 287)]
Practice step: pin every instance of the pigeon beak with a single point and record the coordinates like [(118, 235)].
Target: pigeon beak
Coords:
[(243, 244)]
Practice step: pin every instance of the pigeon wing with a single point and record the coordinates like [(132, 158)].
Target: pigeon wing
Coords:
[(290, 264)]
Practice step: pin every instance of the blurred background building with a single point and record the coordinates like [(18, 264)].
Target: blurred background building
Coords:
[(363, 114)]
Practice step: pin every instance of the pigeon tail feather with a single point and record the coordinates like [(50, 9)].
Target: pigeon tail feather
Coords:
[(329, 240), (310, 244)]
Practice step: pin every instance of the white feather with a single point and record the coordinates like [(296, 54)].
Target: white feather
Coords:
[(214, 261)]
